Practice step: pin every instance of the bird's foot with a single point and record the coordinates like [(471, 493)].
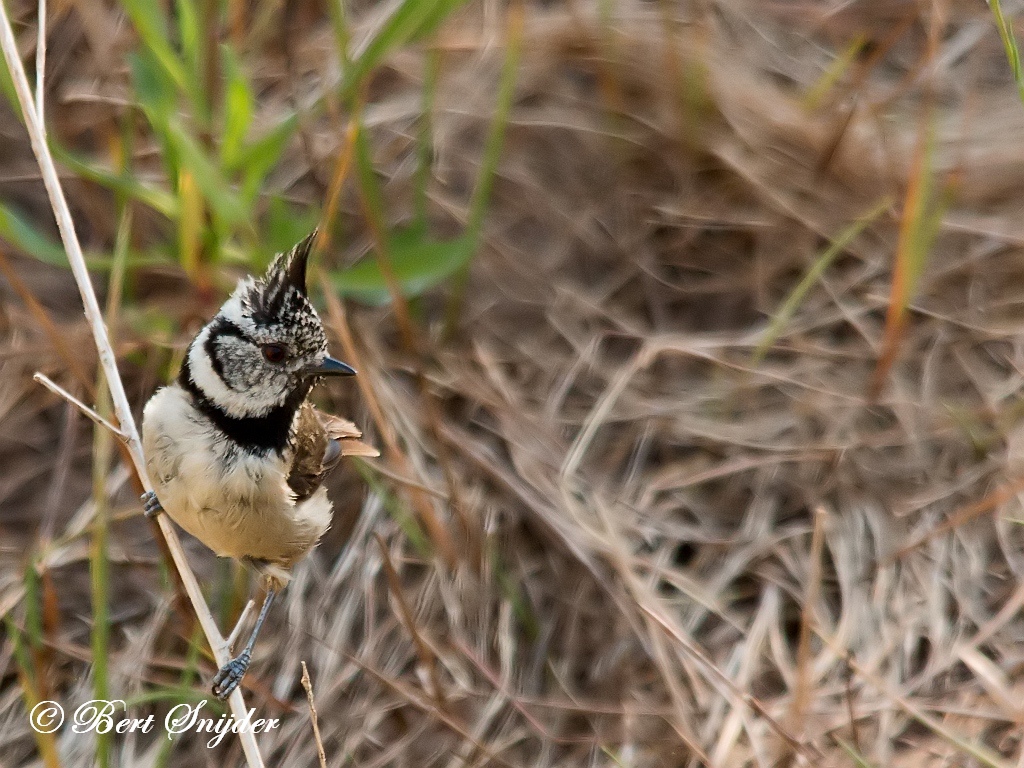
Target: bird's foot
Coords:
[(230, 675), (151, 504)]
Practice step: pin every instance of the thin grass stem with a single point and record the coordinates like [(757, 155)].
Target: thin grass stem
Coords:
[(51, 385), (40, 58), (121, 405)]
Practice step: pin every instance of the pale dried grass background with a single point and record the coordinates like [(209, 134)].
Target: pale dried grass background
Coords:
[(648, 497)]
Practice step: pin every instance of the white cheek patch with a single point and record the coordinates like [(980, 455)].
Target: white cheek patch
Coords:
[(209, 383)]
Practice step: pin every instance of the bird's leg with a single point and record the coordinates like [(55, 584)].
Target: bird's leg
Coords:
[(230, 675), (151, 504)]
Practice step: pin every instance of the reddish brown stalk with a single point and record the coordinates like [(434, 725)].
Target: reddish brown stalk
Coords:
[(964, 515), (908, 260), (341, 171)]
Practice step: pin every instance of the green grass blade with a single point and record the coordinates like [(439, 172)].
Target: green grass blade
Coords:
[(342, 37), (412, 19), (33, 607), (157, 99), (7, 86), (489, 166), (796, 296), (258, 158), (1009, 45), (149, 22), (496, 134), (103, 451), (99, 567), (45, 742), (16, 229), (285, 225), (834, 73), (366, 177), (154, 89), (121, 183), (190, 37), (190, 225), (425, 137), (405, 519), (238, 110), (859, 760), (218, 193)]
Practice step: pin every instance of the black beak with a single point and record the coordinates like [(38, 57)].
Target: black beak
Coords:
[(331, 367)]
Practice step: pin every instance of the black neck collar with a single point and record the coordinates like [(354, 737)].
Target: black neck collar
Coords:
[(256, 434)]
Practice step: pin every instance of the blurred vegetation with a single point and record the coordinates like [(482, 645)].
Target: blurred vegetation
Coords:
[(192, 97), (196, 101), (750, 345)]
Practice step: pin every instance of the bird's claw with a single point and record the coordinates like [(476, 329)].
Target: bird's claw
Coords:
[(151, 504), (230, 675)]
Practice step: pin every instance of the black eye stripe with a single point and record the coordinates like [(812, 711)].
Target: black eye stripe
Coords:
[(224, 327)]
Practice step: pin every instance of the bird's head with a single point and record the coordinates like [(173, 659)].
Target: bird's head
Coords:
[(266, 346)]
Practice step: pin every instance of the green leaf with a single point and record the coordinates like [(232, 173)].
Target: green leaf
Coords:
[(419, 264), (189, 34), (259, 157), (149, 22), (156, 198), (238, 108), (17, 230), (218, 193), (412, 20)]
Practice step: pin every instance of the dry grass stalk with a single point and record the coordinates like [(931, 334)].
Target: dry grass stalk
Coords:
[(427, 657), (314, 719), (804, 681), (122, 408), (85, 409)]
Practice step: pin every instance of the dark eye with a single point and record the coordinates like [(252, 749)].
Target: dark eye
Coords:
[(274, 353)]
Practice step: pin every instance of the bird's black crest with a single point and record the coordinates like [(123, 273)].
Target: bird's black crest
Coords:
[(282, 291), (298, 259)]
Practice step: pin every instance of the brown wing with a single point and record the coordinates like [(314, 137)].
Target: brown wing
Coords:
[(319, 442)]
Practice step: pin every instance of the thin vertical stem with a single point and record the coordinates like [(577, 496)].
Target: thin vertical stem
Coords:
[(40, 58), (122, 408)]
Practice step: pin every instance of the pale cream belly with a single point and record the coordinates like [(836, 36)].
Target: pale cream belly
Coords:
[(237, 504), (256, 529)]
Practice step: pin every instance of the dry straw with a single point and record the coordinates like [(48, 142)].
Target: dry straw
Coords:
[(31, 111)]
